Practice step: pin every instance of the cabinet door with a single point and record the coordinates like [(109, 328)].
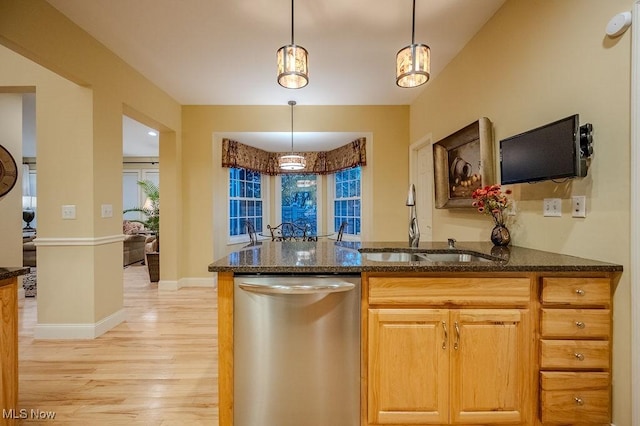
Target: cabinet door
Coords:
[(8, 348), (408, 366), (490, 365)]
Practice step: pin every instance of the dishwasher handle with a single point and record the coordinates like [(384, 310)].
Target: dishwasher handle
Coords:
[(324, 288)]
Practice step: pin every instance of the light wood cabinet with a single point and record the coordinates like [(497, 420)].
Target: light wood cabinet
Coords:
[(409, 366), (8, 349), (490, 361), (575, 351), (443, 351)]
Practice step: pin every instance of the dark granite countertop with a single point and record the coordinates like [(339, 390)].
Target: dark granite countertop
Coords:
[(348, 258), (6, 273)]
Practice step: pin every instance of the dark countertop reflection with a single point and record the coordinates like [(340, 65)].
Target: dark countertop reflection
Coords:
[(348, 258)]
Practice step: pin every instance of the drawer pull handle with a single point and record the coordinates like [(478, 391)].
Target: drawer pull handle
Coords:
[(579, 356), (446, 335), (456, 344), (579, 401), (580, 292), (580, 324)]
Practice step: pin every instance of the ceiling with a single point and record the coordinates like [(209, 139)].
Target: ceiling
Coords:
[(221, 52)]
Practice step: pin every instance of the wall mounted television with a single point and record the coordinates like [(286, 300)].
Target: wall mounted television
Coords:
[(557, 150)]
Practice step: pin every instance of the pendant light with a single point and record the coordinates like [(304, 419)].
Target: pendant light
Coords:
[(293, 63), (292, 161), (413, 65)]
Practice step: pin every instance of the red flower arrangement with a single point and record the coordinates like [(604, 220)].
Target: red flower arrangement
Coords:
[(493, 201)]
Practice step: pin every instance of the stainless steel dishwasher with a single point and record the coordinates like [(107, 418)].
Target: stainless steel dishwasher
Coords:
[(296, 350)]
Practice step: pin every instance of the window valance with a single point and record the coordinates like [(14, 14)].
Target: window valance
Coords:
[(236, 154)]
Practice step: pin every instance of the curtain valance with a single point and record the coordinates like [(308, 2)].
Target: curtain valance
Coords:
[(236, 154)]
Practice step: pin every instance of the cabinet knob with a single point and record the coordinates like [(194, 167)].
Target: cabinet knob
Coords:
[(580, 324), (579, 401), (580, 292), (579, 356)]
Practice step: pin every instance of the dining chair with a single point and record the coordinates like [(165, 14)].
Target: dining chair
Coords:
[(288, 231), (343, 225), (251, 231)]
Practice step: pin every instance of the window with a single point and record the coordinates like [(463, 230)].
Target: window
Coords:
[(299, 200), (245, 201), (132, 195), (347, 200)]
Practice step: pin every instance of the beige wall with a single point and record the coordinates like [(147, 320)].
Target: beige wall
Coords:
[(11, 203), (533, 63), (82, 91), (388, 125)]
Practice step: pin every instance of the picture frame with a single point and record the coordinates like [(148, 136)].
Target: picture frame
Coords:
[(463, 162)]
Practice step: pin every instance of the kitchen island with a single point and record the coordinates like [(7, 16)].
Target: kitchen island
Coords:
[(497, 335), (9, 341)]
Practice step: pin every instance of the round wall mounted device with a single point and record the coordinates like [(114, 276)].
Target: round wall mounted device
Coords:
[(619, 24)]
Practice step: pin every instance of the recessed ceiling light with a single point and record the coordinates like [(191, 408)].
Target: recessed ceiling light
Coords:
[(152, 133)]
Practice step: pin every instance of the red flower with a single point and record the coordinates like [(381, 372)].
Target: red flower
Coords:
[(491, 200)]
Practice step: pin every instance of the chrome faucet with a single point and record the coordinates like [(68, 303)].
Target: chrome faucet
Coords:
[(414, 231), (452, 243)]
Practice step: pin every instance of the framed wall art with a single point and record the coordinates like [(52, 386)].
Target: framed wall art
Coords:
[(463, 162)]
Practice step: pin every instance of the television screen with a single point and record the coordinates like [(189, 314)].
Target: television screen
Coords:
[(548, 152)]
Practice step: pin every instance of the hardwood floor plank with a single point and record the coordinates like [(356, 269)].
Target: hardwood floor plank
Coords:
[(159, 367)]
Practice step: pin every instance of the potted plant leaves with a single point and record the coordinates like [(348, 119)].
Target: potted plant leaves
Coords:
[(151, 221)]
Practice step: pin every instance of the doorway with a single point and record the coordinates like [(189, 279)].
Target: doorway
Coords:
[(421, 175)]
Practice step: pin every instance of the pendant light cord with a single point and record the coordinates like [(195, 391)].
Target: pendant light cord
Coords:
[(414, 5), (292, 103), (413, 26)]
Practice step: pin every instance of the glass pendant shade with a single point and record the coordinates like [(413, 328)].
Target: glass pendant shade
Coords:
[(293, 66), (292, 162), (413, 65)]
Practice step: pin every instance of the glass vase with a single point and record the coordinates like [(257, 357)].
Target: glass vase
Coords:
[(500, 235)]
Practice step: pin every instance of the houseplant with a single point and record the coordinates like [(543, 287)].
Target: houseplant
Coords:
[(151, 222), (491, 200)]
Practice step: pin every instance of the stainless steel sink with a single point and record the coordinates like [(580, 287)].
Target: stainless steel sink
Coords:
[(455, 257), (396, 256)]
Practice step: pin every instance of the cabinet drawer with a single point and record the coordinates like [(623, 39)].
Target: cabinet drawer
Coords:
[(576, 407), (446, 291), (575, 381), (576, 323), (586, 291), (574, 354), (575, 398)]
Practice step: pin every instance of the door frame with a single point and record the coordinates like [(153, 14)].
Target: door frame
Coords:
[(425, 216), (634, 264)]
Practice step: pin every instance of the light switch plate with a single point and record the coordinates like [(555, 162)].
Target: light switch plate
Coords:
[(579, 206), (107, 210), (69, 211), (552, 207)]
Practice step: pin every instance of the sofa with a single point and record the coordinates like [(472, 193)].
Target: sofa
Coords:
[(28, 251), (136, 241)]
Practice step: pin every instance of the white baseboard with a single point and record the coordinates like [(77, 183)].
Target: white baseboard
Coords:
[(78, 331), (187, 282)]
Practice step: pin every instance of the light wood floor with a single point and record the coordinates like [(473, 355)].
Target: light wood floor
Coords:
[(159, 367)]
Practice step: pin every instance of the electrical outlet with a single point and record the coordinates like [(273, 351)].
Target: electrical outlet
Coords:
[(552, 207), (69, 211), (511, 211), (579, 206), (107, 210)]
